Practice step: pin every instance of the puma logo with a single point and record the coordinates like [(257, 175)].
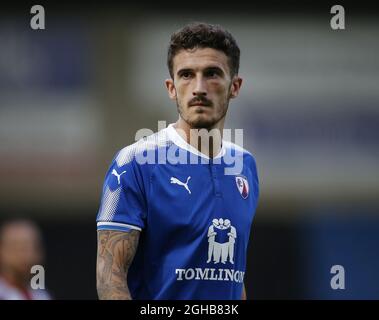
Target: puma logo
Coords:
[(118, 176), (185, 185)]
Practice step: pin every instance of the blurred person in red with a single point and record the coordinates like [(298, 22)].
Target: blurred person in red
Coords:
[(20, 249)]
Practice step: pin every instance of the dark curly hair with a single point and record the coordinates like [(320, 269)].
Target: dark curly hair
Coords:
[(204, 35)]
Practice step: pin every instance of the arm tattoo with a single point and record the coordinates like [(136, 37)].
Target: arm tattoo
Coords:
[(115, 253)]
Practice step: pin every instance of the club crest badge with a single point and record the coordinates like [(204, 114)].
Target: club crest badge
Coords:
[(243, 186)]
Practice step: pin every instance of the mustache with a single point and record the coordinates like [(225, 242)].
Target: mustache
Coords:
[(202, 100)]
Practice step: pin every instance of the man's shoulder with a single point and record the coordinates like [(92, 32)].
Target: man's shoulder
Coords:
[(144, 145), (237, 150)]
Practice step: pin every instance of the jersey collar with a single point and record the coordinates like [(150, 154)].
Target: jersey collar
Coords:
[(180, 142)]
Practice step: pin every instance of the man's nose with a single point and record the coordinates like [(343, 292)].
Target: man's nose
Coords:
[(200, 87)]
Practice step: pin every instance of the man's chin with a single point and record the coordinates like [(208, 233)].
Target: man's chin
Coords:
[(200, 122)]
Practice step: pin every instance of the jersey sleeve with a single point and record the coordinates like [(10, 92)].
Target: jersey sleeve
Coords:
[(123, 201), (255, 179)]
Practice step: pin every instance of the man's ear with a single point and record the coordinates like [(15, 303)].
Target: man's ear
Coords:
[(171, 88), (236, 86)]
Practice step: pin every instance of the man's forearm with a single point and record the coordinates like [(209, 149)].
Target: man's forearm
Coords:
[(113, 292), (115, 253), (243, 296), (111, 283)]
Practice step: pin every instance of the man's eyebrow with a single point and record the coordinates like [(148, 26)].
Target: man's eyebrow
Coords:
[(210, 68), (214, 68), (183, 70)]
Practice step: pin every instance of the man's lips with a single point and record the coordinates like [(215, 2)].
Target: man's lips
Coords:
[(200, 103)]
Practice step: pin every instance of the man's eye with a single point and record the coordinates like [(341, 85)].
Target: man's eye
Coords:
[(186, 75), (211, 74)]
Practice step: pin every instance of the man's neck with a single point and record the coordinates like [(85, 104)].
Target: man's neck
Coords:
[(208, 141)]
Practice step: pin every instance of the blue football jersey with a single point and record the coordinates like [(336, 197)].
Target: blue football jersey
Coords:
[(194, 216)]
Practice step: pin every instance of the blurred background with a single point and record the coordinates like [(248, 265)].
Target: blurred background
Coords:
[(75, 93)]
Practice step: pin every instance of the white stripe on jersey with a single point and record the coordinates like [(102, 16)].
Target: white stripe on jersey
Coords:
[(116, 224)]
